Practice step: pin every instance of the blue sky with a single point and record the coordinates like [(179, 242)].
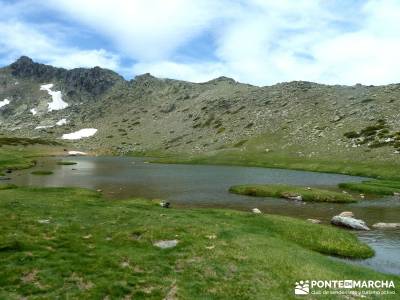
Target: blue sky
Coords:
[(261, 42)]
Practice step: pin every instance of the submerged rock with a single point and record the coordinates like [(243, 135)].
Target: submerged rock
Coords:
[(166, 244), (349, 222), (386, 225)]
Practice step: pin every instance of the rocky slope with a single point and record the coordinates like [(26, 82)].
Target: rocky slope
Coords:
[(163, 115)]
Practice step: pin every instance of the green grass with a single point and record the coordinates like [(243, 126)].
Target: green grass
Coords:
[(7, 186), (73, 244), (22, 156), (346, 165), (17, 141), (41, 172), (282, 191), (14, 159), (66, 163), (377, 187)]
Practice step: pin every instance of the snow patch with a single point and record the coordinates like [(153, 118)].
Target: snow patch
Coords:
[(33, 111), (61, 122), (4, 102), (57, 102), (76, 153), (86, 132)]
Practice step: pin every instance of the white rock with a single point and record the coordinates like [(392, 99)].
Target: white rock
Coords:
[(44, 221), (44, 126), (386, 225), (314, 221), (166, 244), (349, 222), (57, 103), (4, 102), (293, 197), (256, 211), (33, 111), (83, 133), (61, 122), (346, 214)]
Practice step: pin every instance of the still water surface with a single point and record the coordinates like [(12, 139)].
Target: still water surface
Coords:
[(207, 186)]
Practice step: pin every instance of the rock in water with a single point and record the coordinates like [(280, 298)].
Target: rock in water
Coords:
[(291, 196), (346, 214), (386, 225), (349, 222), (166, 244), (256, 211)]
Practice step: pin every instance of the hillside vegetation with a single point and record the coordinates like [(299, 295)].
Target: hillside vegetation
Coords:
[(300, 125)]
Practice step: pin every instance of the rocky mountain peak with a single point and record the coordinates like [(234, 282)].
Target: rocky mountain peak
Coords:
[(222, 79), (93, 81), (25, 67), (145, 77), (24, 60)]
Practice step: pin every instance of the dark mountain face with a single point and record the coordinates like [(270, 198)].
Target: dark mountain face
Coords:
[(25, 68), (93, 81), (299, 119)]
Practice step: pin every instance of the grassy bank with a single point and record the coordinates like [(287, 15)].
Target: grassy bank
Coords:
[(20, 153), (12, 158), (341, 165), (71, 243), (285, 191), (377, 187)]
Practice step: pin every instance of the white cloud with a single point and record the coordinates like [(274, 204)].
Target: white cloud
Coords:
[(145, 30), (19, 38), (255, 41), (194, 72)]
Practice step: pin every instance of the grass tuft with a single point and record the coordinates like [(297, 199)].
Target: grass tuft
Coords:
[(282, 191), (41, 172), (376, 187)]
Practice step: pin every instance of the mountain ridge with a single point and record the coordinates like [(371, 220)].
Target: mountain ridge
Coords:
[(149, 114), (27, 61)]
